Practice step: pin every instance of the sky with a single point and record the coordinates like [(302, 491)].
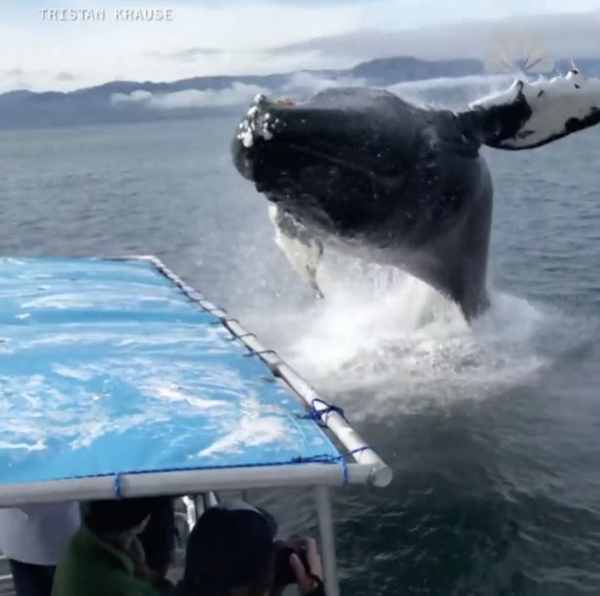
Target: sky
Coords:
[(209, 37)]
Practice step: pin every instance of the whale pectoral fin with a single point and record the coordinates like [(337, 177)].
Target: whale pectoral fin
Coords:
[(532, 114), (303, 251)]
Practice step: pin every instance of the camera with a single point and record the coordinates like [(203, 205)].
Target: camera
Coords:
[(284, 573)]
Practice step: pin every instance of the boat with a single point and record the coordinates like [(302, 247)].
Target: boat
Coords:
[(118, 379)]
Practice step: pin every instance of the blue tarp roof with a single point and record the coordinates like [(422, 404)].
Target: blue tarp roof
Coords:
[(108, 367)]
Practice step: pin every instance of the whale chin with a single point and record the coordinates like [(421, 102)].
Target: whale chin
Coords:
[(327, 194)]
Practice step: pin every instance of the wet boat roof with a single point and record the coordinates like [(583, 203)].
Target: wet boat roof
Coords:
[(112, 369)]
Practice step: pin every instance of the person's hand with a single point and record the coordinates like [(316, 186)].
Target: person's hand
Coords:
[(310, 579), (144, 573)]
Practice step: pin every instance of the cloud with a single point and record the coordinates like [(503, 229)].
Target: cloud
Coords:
[(188, 54), (453, 93), (234, 33), (66, 76), (301, 84), (12, 79), (235, 36), (306, 83), (236, 94), (564, 36), (441, 83)]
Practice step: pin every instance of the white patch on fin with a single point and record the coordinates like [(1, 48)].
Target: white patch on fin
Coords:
[(553, 102)]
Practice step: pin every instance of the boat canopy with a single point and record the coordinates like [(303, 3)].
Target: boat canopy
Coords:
[(118, 379)]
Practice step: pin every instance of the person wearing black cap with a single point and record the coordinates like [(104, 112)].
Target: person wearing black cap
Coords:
[(105, 556), (232, 551)]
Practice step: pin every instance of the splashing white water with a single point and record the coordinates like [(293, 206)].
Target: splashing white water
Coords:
[(392, 342), (448, 92)]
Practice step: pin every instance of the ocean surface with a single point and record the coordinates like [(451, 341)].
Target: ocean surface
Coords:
[(493, 431)]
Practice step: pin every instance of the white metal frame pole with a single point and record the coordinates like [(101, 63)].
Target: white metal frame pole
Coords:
[(323, 504), (381, 474), (191, 511)]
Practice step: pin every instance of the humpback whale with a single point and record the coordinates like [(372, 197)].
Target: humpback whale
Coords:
[(403, 185)]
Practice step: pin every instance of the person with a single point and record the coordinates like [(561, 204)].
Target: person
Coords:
[(33, 539), (106, 557), (158, 537), (232, 551)]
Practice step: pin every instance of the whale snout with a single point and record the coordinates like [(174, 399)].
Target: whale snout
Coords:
[(257, 124), (271, 144), (256, 127), (270, 127)]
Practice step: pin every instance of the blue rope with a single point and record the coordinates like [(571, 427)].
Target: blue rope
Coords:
[(360, 450), (317, 459), (117, 486), (344, 463), (317, 414), (331, 459)]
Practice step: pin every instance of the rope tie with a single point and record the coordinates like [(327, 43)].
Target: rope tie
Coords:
[(240, 337), (245, 335), (212, 308), (317, 414), (117, 487), (251, 353), (331, 459)]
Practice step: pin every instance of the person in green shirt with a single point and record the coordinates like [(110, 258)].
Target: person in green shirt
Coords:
[(105, 557)]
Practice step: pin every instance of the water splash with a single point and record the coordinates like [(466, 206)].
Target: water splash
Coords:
[(384, 334)]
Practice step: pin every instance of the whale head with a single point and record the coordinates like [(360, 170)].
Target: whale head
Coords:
[(396, 183), (346, 160)]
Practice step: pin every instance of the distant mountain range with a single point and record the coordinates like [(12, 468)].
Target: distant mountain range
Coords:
[(131, 101)]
